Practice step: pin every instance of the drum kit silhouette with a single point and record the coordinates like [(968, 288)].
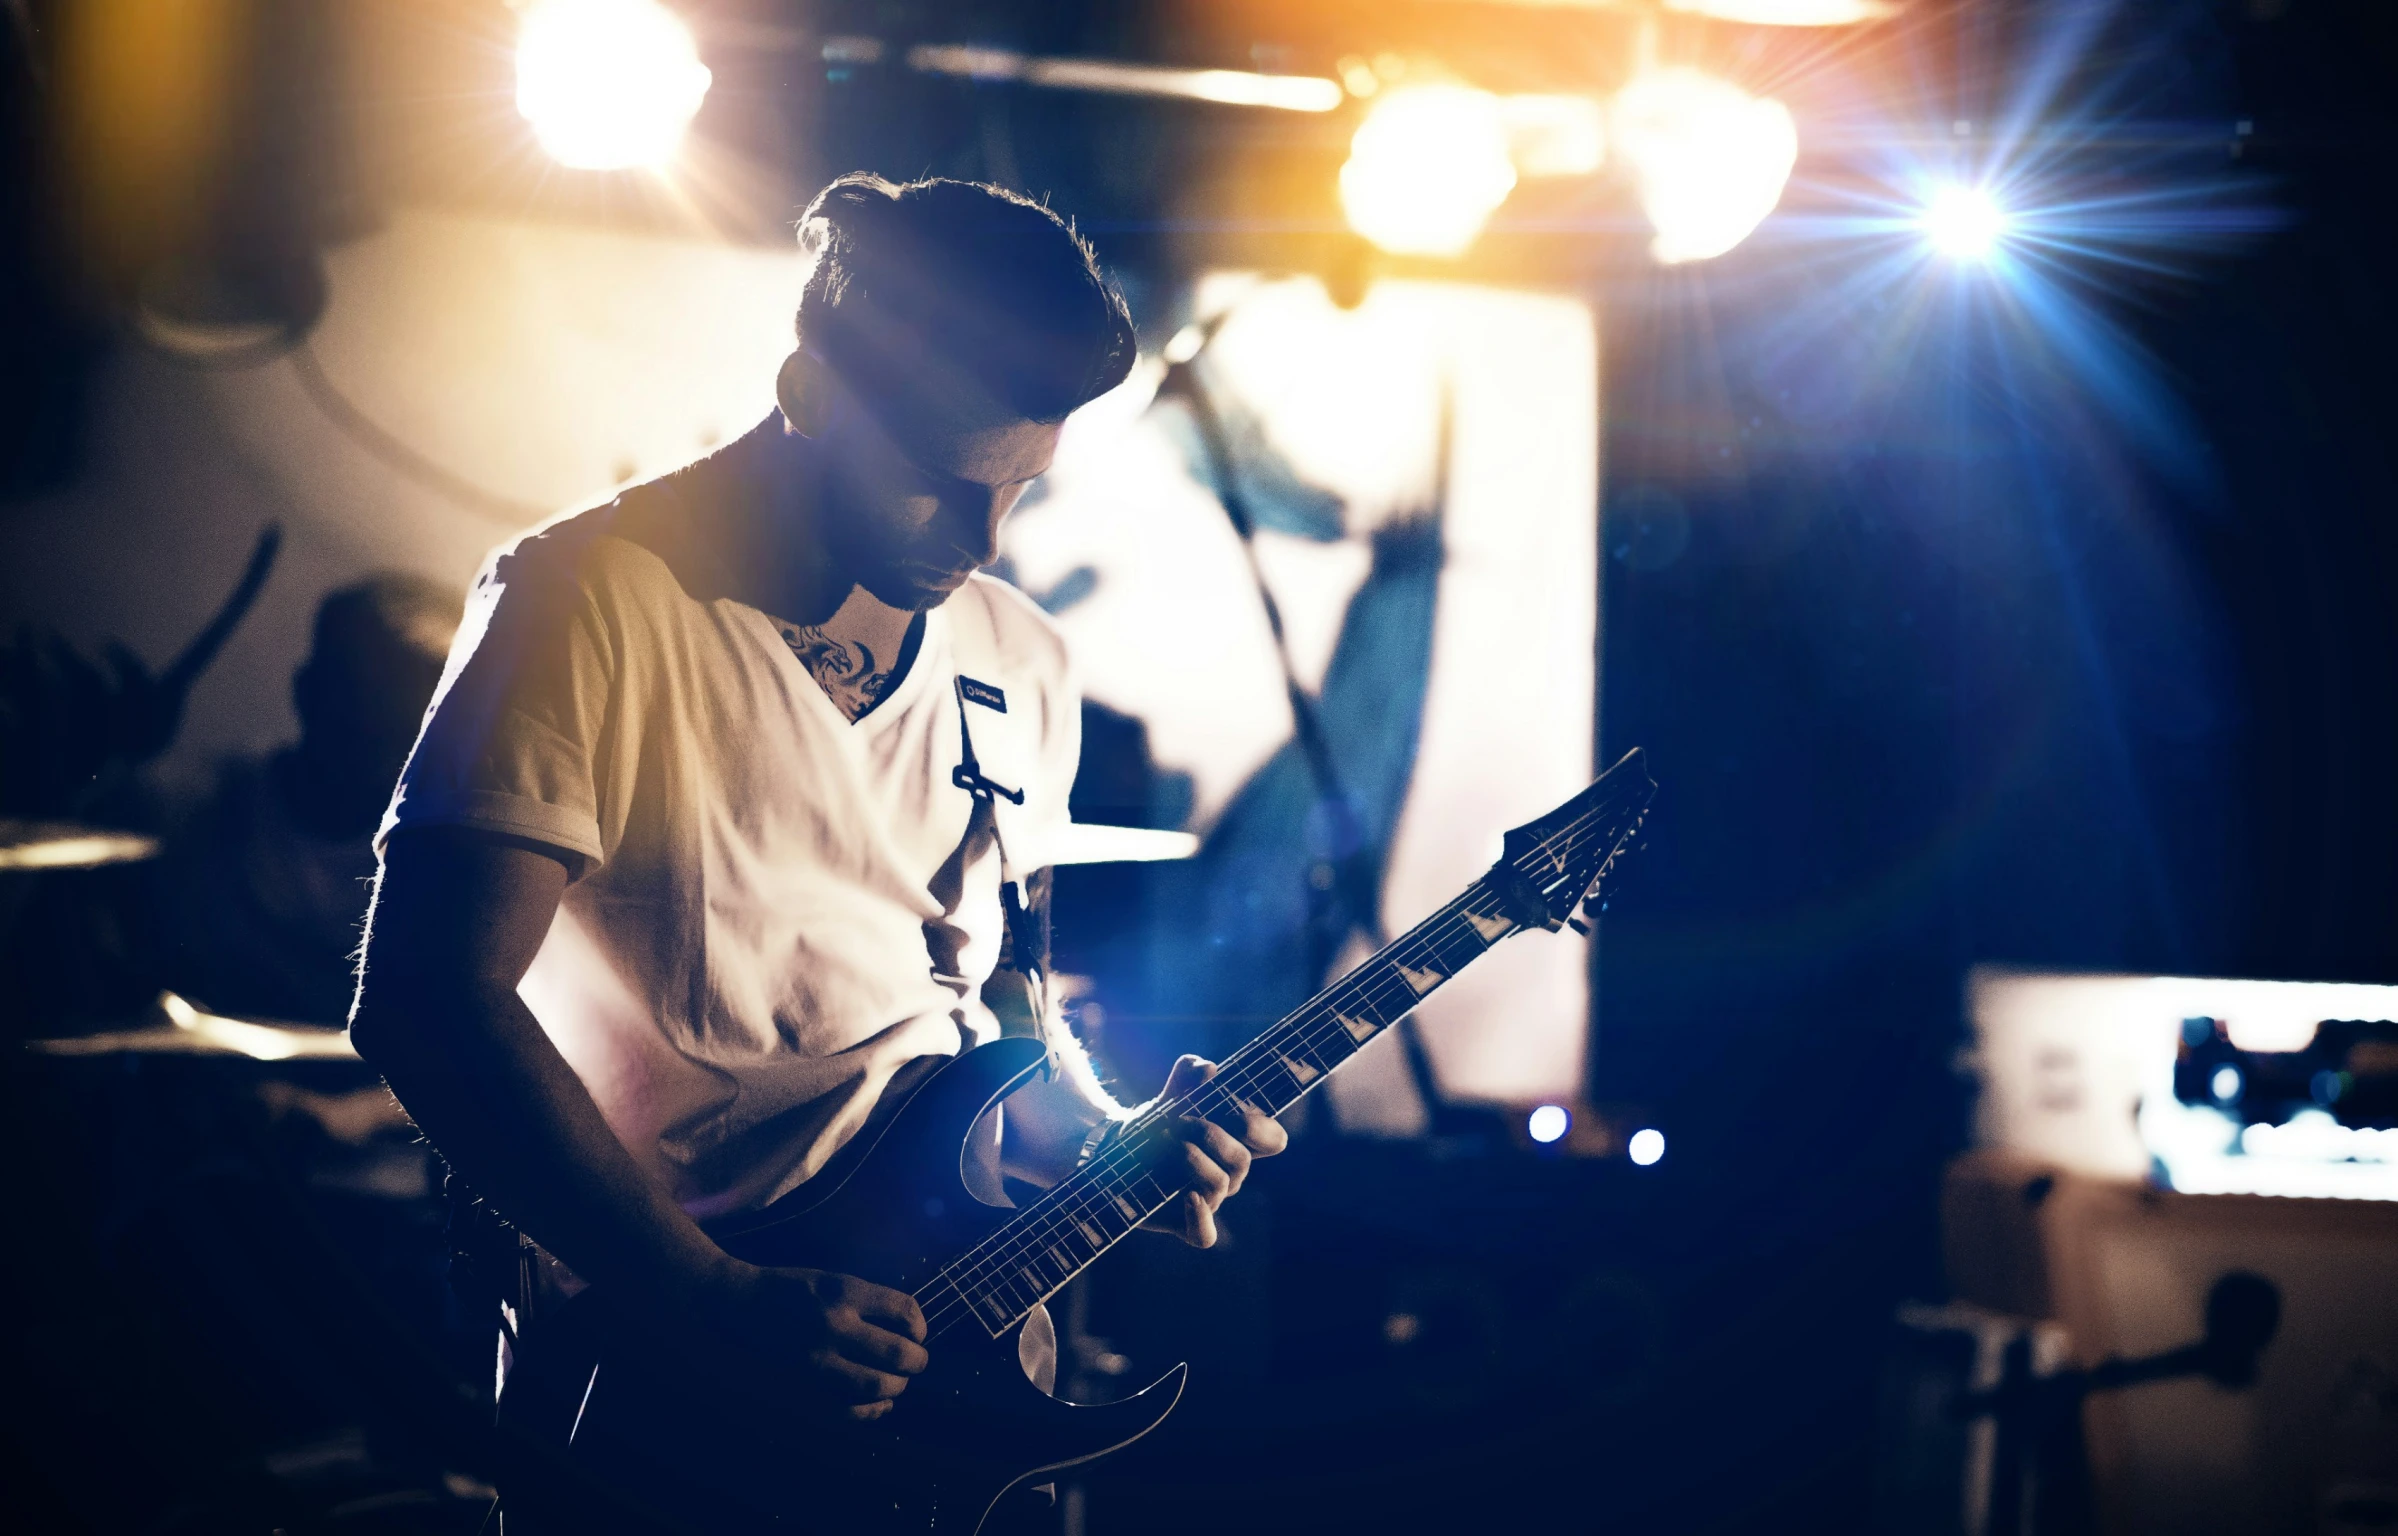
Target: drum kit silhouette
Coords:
[(180, 1027)]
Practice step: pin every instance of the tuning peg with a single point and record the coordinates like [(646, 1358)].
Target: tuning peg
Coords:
[(1575, 922)]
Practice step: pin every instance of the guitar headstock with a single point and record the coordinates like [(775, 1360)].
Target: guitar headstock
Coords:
[(1554, 864)]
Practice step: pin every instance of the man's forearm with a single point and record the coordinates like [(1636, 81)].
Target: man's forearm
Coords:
[(1049, 1120), (481, 1079)]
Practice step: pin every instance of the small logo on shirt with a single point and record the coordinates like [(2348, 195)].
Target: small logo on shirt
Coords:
[(976, 691)]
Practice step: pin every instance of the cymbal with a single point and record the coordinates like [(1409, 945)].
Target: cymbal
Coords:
[(1090, 843), (67, 845), (191, 1031)]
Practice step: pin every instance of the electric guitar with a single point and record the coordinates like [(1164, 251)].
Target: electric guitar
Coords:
[(972, 1426)]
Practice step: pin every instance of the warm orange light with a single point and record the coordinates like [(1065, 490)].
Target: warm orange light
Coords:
[(1427, 169)]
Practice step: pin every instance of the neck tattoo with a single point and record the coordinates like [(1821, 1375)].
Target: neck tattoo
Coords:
[(844, 669)]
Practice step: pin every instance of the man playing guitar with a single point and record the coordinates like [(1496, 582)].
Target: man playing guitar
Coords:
[(701, 853)]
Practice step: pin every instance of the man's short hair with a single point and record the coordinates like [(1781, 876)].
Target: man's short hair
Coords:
[(911, 284)]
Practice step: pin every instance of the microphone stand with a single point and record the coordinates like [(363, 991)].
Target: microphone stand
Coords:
[(2039, 1472), (1342, 883)]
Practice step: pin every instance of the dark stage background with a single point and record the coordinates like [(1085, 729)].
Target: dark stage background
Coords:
[(1979, 684)]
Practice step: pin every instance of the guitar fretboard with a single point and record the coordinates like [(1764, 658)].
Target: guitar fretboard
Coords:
[(1092, 1210), (1042, 1247)]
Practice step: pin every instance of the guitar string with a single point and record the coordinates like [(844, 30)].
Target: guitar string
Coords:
[(1308, 1029), (1099, 1201), (1085, 1194), (1108, 1193), (1042, 1228), (1301, 1029), (1268, 1052), (1090, 1195), (1315, 1023)]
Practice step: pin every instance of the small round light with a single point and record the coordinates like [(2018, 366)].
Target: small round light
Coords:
[(1645, 1147), (2225, 1084), (1548, 1123), (1965, 222)]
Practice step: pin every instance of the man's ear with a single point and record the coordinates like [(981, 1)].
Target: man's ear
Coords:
[(806, 390)]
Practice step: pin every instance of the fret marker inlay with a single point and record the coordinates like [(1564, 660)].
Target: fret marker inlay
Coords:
[(1421, 980), (1492, 929), (1360, 1030)]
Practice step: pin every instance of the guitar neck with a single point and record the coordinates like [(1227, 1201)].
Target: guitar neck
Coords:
[(1047, 1244)]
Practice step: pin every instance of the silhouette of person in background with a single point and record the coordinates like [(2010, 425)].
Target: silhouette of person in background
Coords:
[(263, 887)]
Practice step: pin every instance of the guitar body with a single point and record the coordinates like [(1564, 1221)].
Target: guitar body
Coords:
[(897, 1208), (968, 1429)]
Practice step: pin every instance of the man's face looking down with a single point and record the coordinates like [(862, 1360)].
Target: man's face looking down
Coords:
[(909, 520)]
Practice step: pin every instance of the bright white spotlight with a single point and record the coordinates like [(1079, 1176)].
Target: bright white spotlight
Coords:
[(2225, 1084), (1645, 1147), (1965, 222), (1548, 1123), (1427, 169), (1710, 159), (607, 84)]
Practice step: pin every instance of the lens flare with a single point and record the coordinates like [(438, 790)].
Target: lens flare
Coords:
[(1965, 222), (1549, 1123), (608, 84), (1710, 159), (1427, 169)]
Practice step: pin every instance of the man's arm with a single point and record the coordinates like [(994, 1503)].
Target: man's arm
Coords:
[(457, 919), (1047, 1123)]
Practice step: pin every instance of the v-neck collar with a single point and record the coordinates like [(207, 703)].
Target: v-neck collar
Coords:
[(891, 705), (911, 651)]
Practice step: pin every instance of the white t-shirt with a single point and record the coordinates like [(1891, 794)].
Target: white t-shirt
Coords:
[(774, 908)]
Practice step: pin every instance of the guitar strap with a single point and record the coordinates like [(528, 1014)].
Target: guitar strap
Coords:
[(1027, 950)]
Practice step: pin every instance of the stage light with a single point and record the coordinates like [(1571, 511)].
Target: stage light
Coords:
[(1710, 159), (1555, 135), (2225, 1084), (1965, 222), (607, 84), (1232, 87), (1788, 13), (1549, 1123), (1427, 169), (1645, 1147)]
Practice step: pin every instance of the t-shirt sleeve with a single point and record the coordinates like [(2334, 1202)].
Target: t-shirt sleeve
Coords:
[(514, 740)]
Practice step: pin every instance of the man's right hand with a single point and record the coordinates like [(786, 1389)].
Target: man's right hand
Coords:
[(845, 1344)]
